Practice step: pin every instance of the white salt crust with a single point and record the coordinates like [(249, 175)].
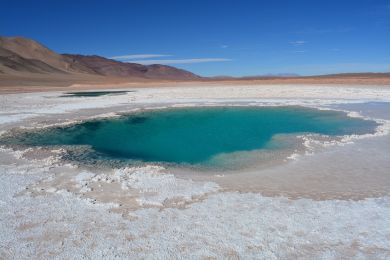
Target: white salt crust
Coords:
[(210, 223), (222, 225), (18, 107)]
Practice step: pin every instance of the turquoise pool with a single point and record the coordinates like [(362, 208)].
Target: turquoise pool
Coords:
[(194, 135)]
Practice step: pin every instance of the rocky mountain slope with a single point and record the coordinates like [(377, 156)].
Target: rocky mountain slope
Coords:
[(22, 56)]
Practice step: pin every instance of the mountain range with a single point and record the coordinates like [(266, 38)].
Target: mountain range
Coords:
[(20, 56)]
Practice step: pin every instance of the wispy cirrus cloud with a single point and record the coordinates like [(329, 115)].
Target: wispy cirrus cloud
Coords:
[(298, 43), (179, 61), (324, 30), (139, 56)]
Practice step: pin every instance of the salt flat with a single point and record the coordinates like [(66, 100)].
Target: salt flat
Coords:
[(331, 201)]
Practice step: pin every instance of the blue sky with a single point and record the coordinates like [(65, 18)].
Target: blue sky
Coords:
[(210, 38)]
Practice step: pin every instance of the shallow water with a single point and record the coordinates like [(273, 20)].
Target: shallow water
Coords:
[(196, 136), (93, 93)]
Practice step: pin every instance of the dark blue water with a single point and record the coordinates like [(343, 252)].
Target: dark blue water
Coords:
[(194, 135)]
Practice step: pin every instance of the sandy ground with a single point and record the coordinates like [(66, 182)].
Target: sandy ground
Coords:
[(39, 83), (329, 202)]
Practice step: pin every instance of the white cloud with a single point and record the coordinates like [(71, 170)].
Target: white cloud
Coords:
[(299, 51), (138, 56), (298, 43), (179, 61), (224, 46)]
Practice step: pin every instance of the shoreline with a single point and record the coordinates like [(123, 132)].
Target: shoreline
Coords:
[(231, 180)]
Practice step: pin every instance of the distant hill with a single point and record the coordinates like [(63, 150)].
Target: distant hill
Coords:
[(21, 56), (354, 75), (10, 63), (108, 67)]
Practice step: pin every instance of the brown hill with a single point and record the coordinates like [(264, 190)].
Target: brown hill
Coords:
[(11, 63), (113, 68), (20, 55), (32, 50), (157, 71)]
